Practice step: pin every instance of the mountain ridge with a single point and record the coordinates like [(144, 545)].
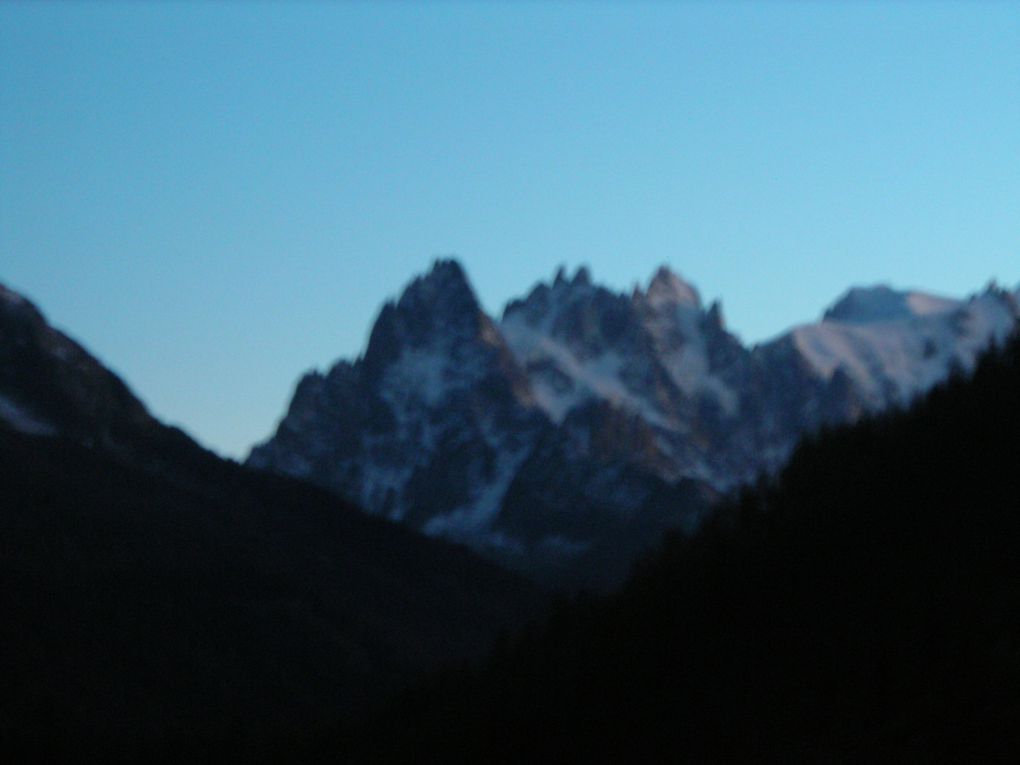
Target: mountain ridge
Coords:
[(442, 429)]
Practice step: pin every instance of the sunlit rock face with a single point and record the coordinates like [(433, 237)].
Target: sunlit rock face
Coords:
[(555, 432)]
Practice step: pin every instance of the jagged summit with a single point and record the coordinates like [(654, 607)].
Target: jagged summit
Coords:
[(427, 426), (436, 311), (581, 278), (714, 317), (667, 289), (445, 282), (441, 300)]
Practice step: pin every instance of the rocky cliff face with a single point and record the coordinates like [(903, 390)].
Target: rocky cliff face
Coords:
[(561, 430), (429, 426)]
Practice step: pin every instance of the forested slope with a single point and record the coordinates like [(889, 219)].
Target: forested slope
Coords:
[(211, 612)]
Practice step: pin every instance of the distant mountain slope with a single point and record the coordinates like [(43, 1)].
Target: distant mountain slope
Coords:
[(547, 440), (894, 345), (161, 603), (864, 607)]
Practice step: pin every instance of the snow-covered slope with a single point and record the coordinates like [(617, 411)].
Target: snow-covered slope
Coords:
[(18, 418), (894, 345), (556, 431)]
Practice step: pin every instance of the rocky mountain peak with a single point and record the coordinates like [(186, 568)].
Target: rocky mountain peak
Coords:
[(438, 309), (667, 289), (714, 318), (862, 305), (444, 291), (581, 278), (547, 301)]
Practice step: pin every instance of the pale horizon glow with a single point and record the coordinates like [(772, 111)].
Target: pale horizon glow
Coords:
[(216, 198)]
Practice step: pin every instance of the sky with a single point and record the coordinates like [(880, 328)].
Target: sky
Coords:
[(215, 198)]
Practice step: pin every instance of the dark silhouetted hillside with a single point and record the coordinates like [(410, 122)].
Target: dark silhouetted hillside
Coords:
[(143, 615), (159, 603)]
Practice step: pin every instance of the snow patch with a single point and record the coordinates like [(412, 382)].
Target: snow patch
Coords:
[(681, 348), (418, 376), (382, 488), (21, 420), (921, 304), (485, 504), (599, 377)]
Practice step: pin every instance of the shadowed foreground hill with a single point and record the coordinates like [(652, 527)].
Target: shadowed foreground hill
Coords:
[(148, 616), (865, 607), (159, 603)]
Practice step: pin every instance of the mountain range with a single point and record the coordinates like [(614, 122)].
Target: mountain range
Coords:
[(565, 436), (163, 603)]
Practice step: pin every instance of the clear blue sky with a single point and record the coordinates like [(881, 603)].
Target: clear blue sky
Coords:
[(217, 197)]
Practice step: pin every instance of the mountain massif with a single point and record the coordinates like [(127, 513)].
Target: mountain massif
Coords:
[(163, 604), (565, 437)]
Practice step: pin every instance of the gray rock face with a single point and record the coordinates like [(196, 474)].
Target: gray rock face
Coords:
[(587, 421), (429, 426)]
